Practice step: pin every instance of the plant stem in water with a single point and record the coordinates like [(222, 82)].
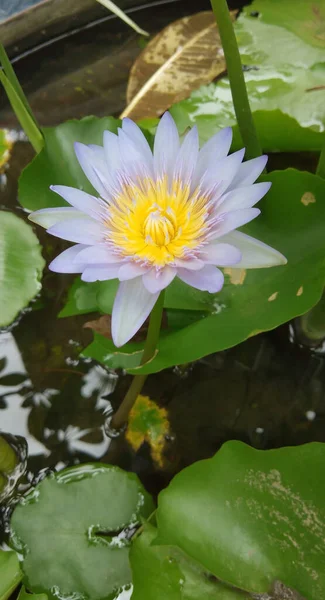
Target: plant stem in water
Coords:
[(236, 77), (121, 416)]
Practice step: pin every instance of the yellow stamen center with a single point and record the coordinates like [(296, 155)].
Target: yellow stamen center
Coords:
[(157, 223)]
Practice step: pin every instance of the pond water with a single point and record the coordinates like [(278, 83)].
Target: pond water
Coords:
[(268, 392)]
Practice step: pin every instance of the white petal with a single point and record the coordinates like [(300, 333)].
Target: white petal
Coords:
[(255, 254), (232, 220), (209, 279), (131, 270), (112, 152), (213, 150), (100, 273), (249, 171), (67, 261), (138, 138), (187, 157), (132, 305), (166, 146), (155, 281), (97, 255), (47, 217), (193, 264), (243, 197), (94, 207), (91, 167), (82, 231), (222, 173), (221, 255), (133, 159)]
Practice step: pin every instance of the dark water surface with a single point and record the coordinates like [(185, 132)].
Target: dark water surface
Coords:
[(268, 391)]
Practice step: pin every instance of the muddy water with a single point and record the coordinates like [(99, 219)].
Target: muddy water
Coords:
[(267, 392)]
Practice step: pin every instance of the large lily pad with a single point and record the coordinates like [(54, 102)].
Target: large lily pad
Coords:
[(72, 531), (165, 573), (256, 300), (251, 517), (21, 266)]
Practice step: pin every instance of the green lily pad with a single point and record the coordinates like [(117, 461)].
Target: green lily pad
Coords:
[(251, 517), (258, 299), (165, 573), (21, 266), (72, 531), (82, 298), (10, 574)]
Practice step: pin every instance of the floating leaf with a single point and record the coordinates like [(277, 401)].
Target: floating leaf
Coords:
[(81, 298), (21, 266), (260, 299), (183, 56), (165, 573), (10, 574), (148, 423), (73, 531), (251, 517)]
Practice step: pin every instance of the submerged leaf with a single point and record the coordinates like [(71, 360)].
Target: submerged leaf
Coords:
[(183, 56), (148, 423)]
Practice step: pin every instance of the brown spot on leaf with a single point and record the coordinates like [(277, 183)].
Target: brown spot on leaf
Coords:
[(273, 297), (300, 291), (237, 276), (308, 198)]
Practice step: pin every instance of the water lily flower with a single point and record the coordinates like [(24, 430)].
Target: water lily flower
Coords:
[(158, 215)]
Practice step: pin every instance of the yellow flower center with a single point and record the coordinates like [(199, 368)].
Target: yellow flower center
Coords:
[(157, 223)]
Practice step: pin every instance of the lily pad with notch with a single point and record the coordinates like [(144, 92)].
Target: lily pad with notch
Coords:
[(73, 531)]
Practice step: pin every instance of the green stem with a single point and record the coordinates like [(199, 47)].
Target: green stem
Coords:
[(236, 77), (121, 416), (320, 171)]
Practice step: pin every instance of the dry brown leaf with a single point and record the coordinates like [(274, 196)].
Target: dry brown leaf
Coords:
[(183, 56)]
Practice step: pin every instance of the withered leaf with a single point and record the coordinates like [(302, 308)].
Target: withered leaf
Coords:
[(181, 58)]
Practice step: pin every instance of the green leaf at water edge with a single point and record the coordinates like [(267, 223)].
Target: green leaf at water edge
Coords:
[(292, 221), (10, 574), (165, 573), (21, 266), (72, 531), (251, 517)]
